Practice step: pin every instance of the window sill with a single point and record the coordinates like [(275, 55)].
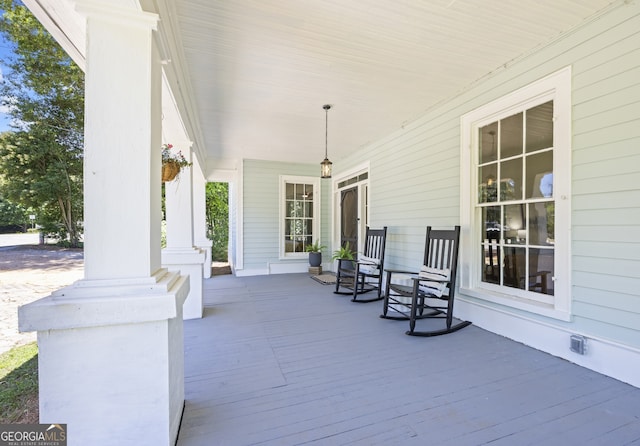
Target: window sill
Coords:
[(507, 300)]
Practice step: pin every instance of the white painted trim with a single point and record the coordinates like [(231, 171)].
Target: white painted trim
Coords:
[(188, 261), (65, 25), (93, 303), (316, 221), (230, 171), (517, 302), (356, 170), (117, 15), (252, 272), (175, 70), (239, 263), (288, 267), (603, 356)]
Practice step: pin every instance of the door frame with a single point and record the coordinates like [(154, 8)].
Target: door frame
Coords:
[(364, 195)]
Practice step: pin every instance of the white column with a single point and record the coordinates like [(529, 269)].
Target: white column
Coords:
[(200, 216), (180, 253), (111, 355)]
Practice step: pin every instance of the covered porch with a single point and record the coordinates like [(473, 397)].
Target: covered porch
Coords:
[(282, 360), (239, 86)]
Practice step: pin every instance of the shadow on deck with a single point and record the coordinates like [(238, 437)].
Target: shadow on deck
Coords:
[(281, 360)]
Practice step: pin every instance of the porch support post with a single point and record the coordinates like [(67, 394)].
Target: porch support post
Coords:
[(180, 253), (200, 216), (111, 355)]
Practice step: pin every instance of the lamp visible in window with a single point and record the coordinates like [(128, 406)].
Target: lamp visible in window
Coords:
[(325, 166)]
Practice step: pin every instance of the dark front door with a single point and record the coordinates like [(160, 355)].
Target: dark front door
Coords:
[(349, 218)]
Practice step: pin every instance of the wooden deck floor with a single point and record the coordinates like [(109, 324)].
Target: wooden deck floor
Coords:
[(281, 360)]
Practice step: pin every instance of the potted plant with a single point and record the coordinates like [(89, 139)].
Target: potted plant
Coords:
[(172, 163), (315, 253), (344, 253)]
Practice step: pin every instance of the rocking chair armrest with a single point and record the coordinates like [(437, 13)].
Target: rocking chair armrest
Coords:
[(427, 279), (400, 271)]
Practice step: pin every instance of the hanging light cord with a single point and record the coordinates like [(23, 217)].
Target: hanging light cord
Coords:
[(326, 129)]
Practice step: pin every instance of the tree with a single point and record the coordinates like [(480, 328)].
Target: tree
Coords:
[(41, 159), (217, 198), (12, 217)]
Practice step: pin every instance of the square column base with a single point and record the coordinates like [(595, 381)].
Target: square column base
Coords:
[(206, 266), (111, 359), (189, 262)]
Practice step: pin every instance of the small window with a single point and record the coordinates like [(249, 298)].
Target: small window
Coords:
[(299, 223)]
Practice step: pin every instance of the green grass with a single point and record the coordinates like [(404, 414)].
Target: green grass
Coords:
[(19, 385)]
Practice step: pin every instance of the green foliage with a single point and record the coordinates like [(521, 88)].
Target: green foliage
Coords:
[(217, 196), (344, 252), (316, 247), (18, 382), (163, 233), (41, 159), (13, 215)]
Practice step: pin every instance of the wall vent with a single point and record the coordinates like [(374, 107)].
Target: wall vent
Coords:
[(578, 344)]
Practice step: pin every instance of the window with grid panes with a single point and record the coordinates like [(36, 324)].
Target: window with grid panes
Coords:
[(515, 195), (516, 200), (299, 226)]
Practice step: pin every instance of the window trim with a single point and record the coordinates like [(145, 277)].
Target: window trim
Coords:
[(284, 179), (556, 87)]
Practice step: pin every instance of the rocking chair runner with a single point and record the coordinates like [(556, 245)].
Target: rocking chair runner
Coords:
[(365, 273), (432, 291)]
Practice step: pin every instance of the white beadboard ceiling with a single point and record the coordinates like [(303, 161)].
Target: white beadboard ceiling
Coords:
[(261, 70), (253, 75)]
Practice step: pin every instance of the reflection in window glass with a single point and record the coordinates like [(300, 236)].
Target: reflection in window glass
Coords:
[(515, 195), (488, 144), (540, 175), (540, 127), (514, 267), (541, 223), (541, 271), (488, 187), (511, 136), (298, 217), (511, 180), (491, 261), (491, 219), (491, 244), (515, 224)]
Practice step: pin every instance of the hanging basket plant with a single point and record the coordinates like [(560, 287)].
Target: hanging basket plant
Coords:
[(170, 170), (172, 163)]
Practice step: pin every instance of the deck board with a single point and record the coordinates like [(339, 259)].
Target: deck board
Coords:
[(281, 360)]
